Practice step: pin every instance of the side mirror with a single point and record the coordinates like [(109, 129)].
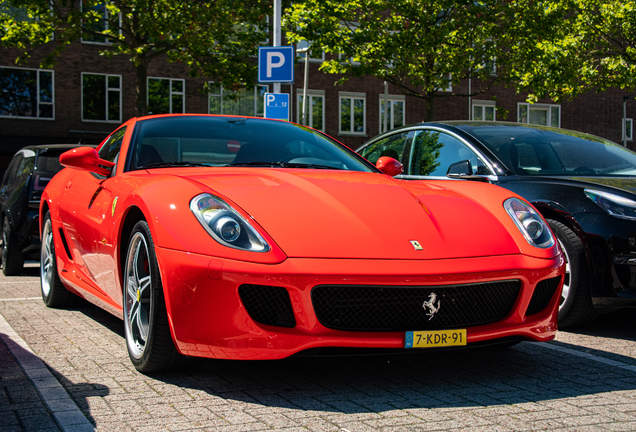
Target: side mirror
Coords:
[(459, 169), (86, 158), (389, 166)]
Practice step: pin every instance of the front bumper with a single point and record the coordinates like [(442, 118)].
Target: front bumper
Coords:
[(208, 318)]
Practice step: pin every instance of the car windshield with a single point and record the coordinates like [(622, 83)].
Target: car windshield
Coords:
[(236, 141), (554, 152)]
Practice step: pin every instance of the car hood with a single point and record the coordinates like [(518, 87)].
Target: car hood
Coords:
[(327, 214), (625, 184)]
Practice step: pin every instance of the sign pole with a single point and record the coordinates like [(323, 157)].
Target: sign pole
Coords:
[(277, 25)]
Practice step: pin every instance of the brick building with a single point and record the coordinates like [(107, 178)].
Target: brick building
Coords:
[(86, 96)]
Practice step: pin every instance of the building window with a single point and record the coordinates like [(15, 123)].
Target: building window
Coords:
[(352, 113), (166, 95), (101, 97), (628, 129), (314, 55), (395, 112), (245, 102), (102, 22), (484, 111), (26, 93), (315, 115), (539, 114)]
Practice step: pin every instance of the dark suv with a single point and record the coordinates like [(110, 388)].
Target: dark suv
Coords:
[(30, 170)]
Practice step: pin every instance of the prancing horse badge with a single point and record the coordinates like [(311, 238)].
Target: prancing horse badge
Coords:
[(417, 245)]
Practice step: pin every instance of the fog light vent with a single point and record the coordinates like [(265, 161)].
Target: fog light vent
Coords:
[(268, 305)]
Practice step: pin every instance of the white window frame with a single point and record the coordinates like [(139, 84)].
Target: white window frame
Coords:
[(483, 105), (550, 108), (392, 99), (106, 22), (182, 92), (106, 89), (222, 92), (311, 94), (450, 84), (352, 96), (625, 135), (52, 103)]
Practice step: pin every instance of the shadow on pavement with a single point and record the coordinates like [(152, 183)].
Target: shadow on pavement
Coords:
[(476, 377)]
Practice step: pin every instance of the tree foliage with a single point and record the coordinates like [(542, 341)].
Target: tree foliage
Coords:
[(215, 38), (421, 46), (580, 45)]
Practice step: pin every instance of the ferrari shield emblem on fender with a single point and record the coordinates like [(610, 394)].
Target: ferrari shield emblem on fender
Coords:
[(417, 245), (112, 210)]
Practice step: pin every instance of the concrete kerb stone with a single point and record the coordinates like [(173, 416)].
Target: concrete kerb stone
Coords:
[(62, 407)]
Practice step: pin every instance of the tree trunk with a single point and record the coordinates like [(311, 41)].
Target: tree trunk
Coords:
[(428, 107), (141, 91)]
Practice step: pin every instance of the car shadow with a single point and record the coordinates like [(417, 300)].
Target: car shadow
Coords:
[(464, 378)]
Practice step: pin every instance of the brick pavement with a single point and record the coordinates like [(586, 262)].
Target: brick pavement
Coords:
[(584, 381)]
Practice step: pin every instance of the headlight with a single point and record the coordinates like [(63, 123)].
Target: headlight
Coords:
[(226, 225), (530, 223), (615, 205)]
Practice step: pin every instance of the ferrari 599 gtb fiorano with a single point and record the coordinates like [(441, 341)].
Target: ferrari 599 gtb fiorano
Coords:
[(248, 238)]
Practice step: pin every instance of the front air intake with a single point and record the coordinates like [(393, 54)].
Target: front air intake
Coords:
[(542, 295), (268, 305)]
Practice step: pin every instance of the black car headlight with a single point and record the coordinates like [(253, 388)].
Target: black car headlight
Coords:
[(614, 205), (530, 223), (226, 225)]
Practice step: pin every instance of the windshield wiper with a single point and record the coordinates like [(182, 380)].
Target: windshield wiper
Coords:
[(282, 165), (173, 164), (307, 165)]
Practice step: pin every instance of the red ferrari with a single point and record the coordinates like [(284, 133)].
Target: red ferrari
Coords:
[(248, 238)]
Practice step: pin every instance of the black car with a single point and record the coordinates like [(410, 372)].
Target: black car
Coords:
[(584, 186), (27, 175)]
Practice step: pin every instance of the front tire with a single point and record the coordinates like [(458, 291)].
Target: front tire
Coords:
[(54, 294), (576, 306), (146, 326), (12, 259)]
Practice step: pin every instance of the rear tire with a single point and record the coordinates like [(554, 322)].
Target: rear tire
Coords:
[(54, 294), (12, 259), (146, 326), (576, 306)]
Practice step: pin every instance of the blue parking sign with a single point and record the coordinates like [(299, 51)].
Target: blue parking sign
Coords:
[(276, 64), (277, 106)]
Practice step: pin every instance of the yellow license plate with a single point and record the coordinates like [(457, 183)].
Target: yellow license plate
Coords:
[(435, 338)]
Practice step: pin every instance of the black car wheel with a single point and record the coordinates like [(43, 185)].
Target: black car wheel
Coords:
[(576, 306), (12, 260), (54, 294), (148, 338)]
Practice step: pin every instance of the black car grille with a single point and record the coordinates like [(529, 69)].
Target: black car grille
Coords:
[(542, 295), (268, 305), (399, 308)]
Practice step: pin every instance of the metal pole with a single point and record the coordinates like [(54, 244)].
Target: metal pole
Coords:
[(386, 106), (305, 87), (277, 14), (625, 120)]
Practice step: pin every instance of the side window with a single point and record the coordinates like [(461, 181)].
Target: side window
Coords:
[(392, 146), (110, 149), (433, 152), (11, 170)]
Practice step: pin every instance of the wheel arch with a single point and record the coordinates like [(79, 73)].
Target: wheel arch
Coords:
[(133, 215)]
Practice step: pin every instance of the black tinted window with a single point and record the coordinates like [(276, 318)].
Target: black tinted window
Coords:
[(392, 146), (111, 147)]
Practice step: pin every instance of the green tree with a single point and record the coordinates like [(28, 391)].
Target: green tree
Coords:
[(421, 46), (580, 45), (214, 38)]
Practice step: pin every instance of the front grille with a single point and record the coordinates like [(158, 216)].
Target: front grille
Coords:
[(542, 295), (268, 305), (399, 308)]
